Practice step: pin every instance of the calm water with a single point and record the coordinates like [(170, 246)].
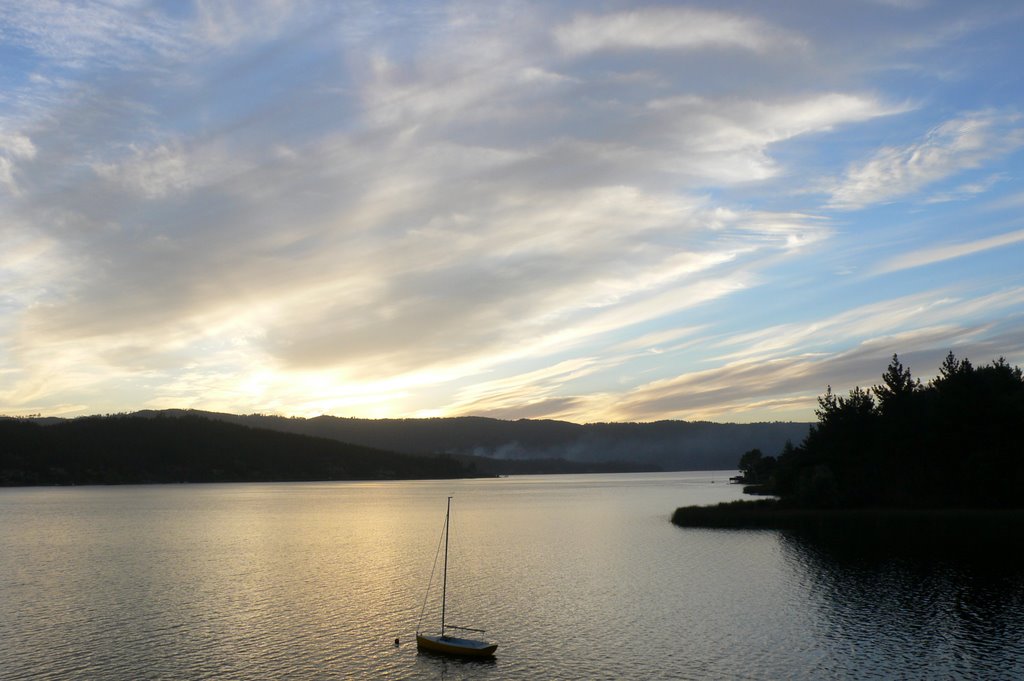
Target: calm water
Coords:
[(577, 577)]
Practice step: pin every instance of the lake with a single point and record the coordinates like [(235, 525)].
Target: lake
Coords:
[(576, 577)]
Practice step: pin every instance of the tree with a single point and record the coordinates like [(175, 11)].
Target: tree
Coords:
[(897, 385), (838, 461), (953, 369), (955, 442), (833, 411), (749, 463), (756, 468)]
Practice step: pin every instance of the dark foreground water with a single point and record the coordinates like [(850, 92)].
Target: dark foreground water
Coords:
[(576, 577)]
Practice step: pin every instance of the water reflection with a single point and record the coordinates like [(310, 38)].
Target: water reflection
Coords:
[(943, 606), (435, 665), (577, 577)]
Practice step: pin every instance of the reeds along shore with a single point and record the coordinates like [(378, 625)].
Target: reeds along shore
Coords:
[(771, 514), (921, 530)]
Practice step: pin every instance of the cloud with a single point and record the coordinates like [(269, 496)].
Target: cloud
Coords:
[(312, 207), (80, 34), (164, 169), (785, 383), (938, 308), (727, 140), (13, 148), (1008, 202), (671, 29), (968, 190), (533, 275), (903, 4), (131, 34), (936, 254), (946, 150), (536, 391), (655, 340), (229, 22)]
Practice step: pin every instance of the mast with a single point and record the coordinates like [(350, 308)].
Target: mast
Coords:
[(444, 587)]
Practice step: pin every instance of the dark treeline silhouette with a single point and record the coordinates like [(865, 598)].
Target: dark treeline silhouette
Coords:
[(955, 442), (127, 449), (757, 471)]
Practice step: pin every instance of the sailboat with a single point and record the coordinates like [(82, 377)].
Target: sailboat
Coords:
[(442, 642)]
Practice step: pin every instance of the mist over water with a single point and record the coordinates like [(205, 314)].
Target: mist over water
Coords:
[(574, 577)]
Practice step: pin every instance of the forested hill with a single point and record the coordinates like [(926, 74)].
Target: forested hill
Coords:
[(190, 448), (668, 445)]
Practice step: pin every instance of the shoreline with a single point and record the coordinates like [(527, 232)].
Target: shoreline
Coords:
[(769, 514)]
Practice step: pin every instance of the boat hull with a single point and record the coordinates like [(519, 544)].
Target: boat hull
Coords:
[(450, 645)]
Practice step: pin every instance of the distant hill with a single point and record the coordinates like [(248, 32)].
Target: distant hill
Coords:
[(189, 448), (187, 445), (665, 445)]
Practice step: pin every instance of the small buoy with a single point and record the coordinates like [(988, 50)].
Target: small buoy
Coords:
[(396, 641)]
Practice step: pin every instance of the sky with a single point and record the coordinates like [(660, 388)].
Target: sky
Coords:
[(588, 211)]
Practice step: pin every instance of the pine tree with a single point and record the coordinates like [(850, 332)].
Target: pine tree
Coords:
[(897, 384)]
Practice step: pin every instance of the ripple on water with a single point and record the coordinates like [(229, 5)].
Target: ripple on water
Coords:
[(574, 576)]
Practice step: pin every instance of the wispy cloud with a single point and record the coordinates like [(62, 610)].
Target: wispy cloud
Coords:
[(887, 317), (540, 390), (778, 380), (528, 209), (83, 34), (937, 254), (968, 190), (13, 148), (903, 4), (728, 140), (129, 34), (1008, 202), (672, 29), (950, 148), (165, 169)]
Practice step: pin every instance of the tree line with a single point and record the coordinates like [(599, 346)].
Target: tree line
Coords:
[(125, 449), (955, 441)]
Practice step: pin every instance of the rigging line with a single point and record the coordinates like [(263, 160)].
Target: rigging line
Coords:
[(452, 626), (430, 582)]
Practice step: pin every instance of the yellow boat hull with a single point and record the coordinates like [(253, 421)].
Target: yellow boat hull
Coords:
[(450, 645)]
